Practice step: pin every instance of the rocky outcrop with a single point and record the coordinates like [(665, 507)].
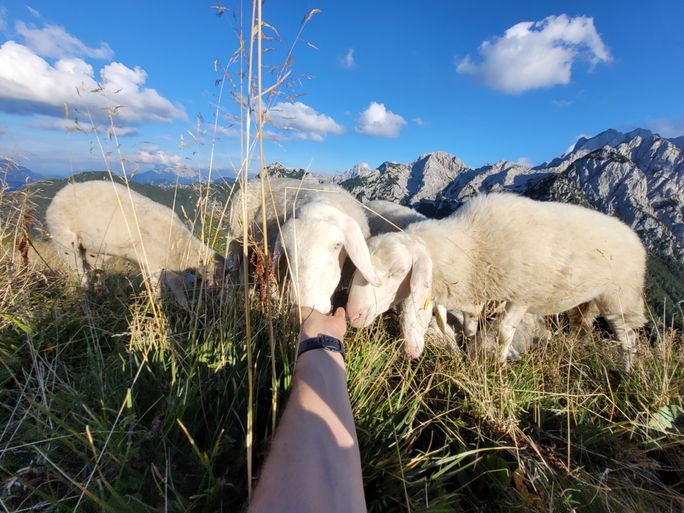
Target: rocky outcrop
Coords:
[(636, 176), (407, 184)]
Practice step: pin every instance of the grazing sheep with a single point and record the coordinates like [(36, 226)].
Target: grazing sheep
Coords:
[(320, 225), (538, 257), (91, 222), (385, 217)]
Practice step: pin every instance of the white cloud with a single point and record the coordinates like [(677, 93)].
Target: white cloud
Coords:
[(378, 121), (524, 161), (301, 121), (667, 127), (54, 41), (577, 138), (161, 159), (30, 85), (155, 155), (348, 61), (33, 11), (3, 17), (420, 121), (228, 131), (80, 126), (532, 55)]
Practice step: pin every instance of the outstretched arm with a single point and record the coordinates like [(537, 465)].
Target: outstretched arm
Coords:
[(314, 464)]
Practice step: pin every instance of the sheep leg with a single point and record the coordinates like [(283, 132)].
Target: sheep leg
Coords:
[(469, 318), (582, 319), (626, 336), (440, 313), (507, 326)]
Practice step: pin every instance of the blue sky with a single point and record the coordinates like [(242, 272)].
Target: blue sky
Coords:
[(387, 81)]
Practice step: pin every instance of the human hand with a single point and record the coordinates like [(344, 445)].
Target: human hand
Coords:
[(314, 323)]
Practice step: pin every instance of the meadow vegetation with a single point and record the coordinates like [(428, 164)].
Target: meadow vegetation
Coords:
[(109, 404)]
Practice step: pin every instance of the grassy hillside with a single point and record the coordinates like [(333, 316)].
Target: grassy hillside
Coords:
[(665, 288), (108, 403), (184, 199)]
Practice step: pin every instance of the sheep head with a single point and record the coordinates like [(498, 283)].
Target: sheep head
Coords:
[(405, 271), (315, 244)]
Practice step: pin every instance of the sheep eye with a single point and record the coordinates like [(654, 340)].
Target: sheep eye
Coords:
[(337, 246)]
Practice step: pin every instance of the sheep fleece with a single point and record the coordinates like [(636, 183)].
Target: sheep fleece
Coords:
[(546, 255)]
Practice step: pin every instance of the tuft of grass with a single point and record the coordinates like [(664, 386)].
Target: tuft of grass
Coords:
[(109, 403)]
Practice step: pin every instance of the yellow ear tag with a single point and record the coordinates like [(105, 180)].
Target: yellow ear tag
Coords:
[(427, 302)]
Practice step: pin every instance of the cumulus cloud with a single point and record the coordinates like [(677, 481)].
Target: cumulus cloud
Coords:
[(161, 159), (155, 155), (524, 161), (31, 85), (536, 54), (667, 127), (53, 41), (348, 61), (575, 140), (74, 125), (301, 121), (376, 120)]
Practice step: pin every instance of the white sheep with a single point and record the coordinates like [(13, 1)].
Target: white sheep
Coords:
[(91, 222), (538, 257), (313, 226)]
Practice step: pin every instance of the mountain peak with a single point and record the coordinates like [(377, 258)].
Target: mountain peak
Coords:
[(610, 137), (441, 157)]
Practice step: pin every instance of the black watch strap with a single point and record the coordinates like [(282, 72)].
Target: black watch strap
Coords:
[(321, 342)]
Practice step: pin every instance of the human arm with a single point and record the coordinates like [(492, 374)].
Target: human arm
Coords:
[(314, 464)]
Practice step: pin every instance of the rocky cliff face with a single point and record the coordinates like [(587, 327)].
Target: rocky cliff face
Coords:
[(636, 176), (424, 178), (639, 180)]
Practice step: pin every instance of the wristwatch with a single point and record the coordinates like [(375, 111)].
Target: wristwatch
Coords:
[(321, 342)]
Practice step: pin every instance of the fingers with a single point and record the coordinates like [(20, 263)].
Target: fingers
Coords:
[(340, 313)]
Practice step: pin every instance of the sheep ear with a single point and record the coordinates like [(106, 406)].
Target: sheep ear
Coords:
[(413, 327), (357, 249), (421, 286)]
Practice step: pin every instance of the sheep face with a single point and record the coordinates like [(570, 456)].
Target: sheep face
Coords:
[(405, 271), (316, 244)]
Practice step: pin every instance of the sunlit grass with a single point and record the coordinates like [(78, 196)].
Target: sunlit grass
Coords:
[(110, 404)]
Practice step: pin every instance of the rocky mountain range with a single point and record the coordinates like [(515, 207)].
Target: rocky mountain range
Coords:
[(636, 176), (15, 176)]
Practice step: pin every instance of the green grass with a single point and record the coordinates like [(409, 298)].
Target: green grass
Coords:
[(107, 407)]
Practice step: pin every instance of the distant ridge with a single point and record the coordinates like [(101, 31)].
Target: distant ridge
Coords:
[(16, 176), (637, 176)]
